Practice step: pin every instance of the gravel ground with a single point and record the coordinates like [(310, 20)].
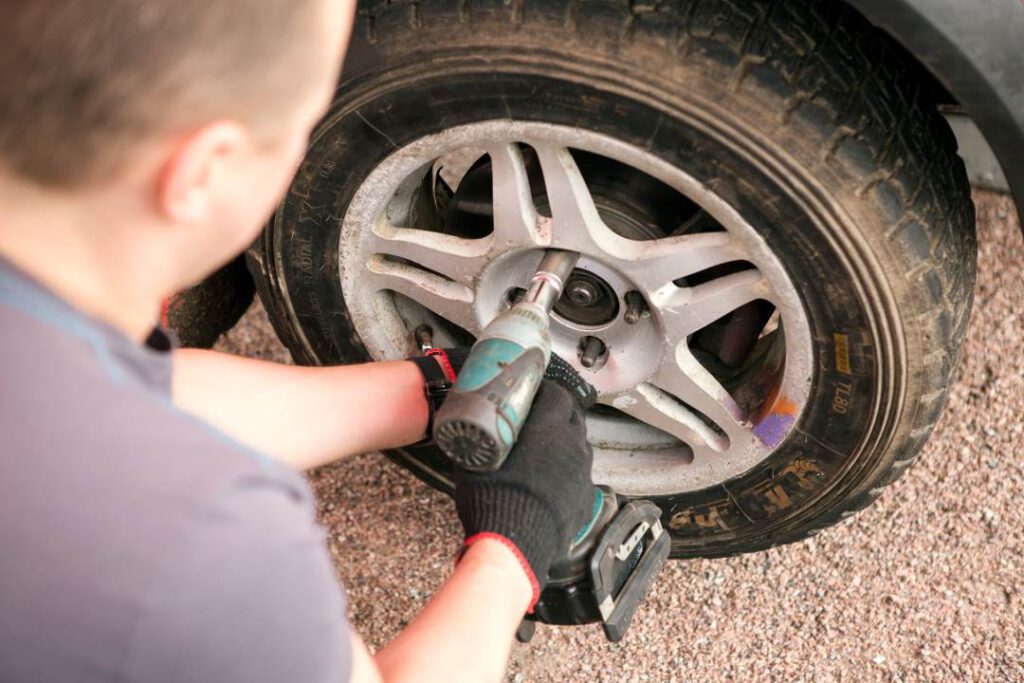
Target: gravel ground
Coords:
[(926, 585)]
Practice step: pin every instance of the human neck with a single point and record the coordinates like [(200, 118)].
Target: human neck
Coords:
[(73, 247)]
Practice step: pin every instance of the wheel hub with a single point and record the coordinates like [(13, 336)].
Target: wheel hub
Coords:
[(587, 300)]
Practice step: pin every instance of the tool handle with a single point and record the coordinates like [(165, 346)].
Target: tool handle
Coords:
[(634, 546)]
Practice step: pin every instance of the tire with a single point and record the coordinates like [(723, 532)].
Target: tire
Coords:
[(200, 314), (799, 114)]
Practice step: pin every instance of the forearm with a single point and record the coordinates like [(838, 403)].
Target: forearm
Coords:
[(303, 416), (466, 630)]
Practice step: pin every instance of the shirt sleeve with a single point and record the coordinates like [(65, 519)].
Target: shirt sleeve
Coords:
[(250, 596)]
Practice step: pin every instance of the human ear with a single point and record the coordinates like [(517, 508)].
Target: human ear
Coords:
[(192, 175)]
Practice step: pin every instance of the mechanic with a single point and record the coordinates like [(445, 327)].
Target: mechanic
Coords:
[(153, 524)]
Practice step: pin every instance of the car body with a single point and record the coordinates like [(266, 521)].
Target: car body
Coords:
[(976, 51)]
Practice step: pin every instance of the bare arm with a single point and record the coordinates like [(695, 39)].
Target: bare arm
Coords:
[(464, 633), (303, 416)]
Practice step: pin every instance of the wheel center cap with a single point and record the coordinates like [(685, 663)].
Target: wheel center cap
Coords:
[(587, 299)]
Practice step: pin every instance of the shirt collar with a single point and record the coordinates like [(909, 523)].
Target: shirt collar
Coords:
[(121, 357)]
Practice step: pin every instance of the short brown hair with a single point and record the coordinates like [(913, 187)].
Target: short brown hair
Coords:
[(82, 81)]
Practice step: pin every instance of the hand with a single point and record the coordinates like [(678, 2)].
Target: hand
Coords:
[(543, 494)]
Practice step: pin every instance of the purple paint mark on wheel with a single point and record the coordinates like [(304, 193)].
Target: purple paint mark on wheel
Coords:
[(773, 429)]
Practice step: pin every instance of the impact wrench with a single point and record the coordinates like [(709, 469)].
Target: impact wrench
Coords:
[(614, 559)]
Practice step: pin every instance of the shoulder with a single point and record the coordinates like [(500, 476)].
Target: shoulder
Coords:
[(195, 558), (249, 594), (68, 389)]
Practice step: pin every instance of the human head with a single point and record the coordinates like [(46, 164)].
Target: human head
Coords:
[(192, 114)]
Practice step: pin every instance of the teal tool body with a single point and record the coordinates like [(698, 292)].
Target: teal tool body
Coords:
[(481, 417)]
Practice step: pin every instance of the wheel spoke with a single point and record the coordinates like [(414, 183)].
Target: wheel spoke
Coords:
[(450, 300), (682, 376), (516, 222), (452, 167), (655, 407), (457, 258), (576, 223), (654, 265), (688, 309)]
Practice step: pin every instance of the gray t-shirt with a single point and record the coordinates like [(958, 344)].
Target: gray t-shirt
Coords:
[(138, 543)]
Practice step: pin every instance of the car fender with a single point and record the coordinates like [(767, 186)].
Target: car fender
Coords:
[(976, 51)]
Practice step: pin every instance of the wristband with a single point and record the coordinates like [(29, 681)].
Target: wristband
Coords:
[(446, 365), (435, 389)]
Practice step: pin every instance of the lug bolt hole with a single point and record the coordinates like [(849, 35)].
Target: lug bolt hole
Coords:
[(515, 295)]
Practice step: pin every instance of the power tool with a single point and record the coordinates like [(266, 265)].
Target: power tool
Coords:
[(614, 559), (483, 413)]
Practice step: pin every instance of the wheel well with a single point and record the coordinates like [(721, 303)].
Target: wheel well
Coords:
[(976, 69)]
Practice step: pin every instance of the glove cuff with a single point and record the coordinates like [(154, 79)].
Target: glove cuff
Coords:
[(566, 377), (519, 518)]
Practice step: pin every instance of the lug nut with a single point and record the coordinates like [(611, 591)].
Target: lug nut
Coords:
[(636, 308), (593, 353), (424, 335), (582, 292)]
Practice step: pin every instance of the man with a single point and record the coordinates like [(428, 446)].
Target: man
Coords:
[(153, 526)]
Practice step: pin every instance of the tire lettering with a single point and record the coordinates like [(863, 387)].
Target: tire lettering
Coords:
[(777, 499), (841, 397), (688, 516), (318, 314), (311, 214), (326, 168), (304, 259), (803, 470)]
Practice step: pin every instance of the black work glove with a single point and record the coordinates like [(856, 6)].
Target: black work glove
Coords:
[(558, 370), (543, 494)]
